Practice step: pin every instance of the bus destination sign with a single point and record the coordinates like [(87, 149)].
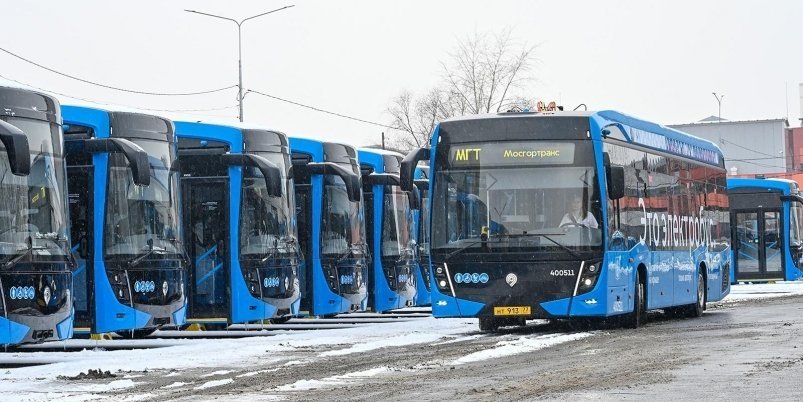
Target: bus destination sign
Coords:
[(512, 154)]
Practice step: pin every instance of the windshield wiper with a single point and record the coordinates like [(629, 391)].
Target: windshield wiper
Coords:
[(151, 250), (547, 236), (28, 251), (464, 247)]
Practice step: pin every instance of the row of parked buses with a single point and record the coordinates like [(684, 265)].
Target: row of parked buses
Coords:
[(125, 222)]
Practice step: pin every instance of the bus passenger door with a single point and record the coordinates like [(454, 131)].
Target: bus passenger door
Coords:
[(758, 254), (79, 182), (206, 231)]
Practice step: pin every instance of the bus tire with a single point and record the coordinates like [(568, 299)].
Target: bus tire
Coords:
[(136, 333), (696, 309), (639, 315), (488, 324)]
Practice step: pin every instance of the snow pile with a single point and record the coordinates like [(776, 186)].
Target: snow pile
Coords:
[(345, 379), (524, 344), (742, 292)]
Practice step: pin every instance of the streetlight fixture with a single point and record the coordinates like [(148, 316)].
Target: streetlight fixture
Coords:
[(240, 45), (719, 105)]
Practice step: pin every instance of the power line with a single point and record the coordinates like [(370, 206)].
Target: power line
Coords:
[(745, 148), (116, 88), (322, 110), (119, 104)]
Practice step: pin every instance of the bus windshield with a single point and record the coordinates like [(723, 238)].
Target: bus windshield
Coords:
[(140, 219), (516, 196), (396, 223), (423, 225), (343, 225), (32, 207), (266, 223)]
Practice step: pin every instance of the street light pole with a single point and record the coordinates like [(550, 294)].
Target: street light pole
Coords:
[(719, 105), (239, 47)]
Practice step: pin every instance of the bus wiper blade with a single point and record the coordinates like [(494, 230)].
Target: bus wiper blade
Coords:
[(145, 255), (464, 247), (548, 237), (28, 251)]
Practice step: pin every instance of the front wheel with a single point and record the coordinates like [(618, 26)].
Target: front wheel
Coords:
[(488, 324), (639, 315), (136, 333)]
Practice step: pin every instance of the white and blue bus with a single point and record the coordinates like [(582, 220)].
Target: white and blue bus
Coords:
[(767, 217), (572, 214)]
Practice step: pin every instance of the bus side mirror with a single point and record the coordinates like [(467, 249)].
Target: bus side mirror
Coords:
[(269, 170), (16, 143), (408, 165), (352, 180), (616, 182), (136, 156)]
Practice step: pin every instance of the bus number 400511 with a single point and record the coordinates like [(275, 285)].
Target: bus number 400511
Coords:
[(562, 272)]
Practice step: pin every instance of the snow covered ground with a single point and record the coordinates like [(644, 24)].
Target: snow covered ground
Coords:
[(41, 375)]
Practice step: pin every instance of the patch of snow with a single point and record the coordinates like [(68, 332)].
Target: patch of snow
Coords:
[(524, 344), (742, 292), (399, 340), (219, 372), (349, 378), (215, 383), (175, 385)]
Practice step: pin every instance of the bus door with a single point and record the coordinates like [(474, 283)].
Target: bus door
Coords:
[(759, 245), (206, 210), (81, 189)]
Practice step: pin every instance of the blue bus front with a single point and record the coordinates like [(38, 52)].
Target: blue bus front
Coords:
[(239, 223), (124, 207), (35, 280), (768, 229), (393, 280), (523, 226), (331, 221)]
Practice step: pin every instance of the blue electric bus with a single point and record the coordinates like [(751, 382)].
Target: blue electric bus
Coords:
[(421, 234), (767, 216), (573, 214), (389, 223), (35, 275), (126, 222), (331, 222), (239, 226)]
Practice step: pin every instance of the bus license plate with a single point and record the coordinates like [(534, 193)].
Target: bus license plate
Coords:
[(513, 310)]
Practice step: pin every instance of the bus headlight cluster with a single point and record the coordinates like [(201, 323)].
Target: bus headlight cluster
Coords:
[(589, 276), (119, 282), (441, 278)]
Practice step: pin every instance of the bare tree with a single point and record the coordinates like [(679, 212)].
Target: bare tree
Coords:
[(480, 77)]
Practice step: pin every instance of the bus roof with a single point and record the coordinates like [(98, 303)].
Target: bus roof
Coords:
[(784, 185), (630, 129)]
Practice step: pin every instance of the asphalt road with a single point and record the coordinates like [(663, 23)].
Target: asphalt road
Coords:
[(747, 351)]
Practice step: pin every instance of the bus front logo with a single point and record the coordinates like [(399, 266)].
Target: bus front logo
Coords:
[(511, 279)]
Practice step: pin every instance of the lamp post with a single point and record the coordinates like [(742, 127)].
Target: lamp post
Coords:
[(719, 105), (239, 46)]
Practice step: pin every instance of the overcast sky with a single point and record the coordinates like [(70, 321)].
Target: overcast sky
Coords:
[(656, 60)]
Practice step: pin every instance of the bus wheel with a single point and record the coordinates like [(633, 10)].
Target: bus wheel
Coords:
[(488, 324), (639, 315), (136, 333), (696, 309)]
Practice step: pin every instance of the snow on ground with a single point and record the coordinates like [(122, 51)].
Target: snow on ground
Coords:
[(267, 353), (524, 344), (741, 292)]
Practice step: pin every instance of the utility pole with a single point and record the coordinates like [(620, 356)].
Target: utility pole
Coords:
[(719, 105), (239, 46)]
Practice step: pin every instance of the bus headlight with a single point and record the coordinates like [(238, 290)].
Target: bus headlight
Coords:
[(440, 278), (589, 276)]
